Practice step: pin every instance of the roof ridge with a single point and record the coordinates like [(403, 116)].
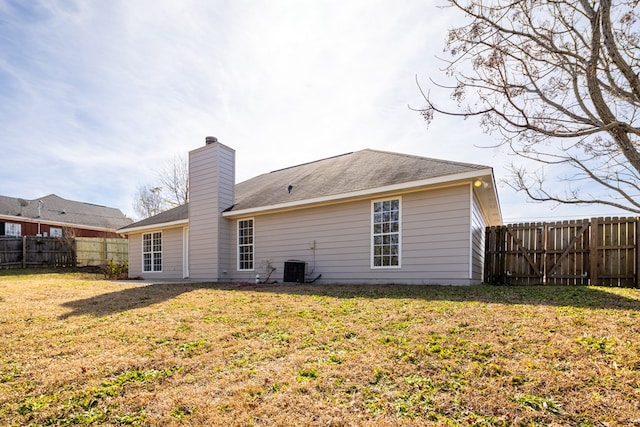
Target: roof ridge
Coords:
[(52, 195), (314, 161), (415, 156)]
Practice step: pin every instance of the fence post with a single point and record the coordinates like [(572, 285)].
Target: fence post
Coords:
[(593, 252), (637, 250), (24, 251)]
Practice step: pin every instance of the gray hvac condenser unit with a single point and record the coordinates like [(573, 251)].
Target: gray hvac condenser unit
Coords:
[(294, 271)]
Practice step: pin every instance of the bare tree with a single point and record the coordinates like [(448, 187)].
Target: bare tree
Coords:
[(174, 179), (148, 201), (170, 190), (559, 82)]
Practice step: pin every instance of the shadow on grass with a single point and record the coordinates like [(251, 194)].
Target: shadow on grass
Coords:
[(569, 296), (128, 299)]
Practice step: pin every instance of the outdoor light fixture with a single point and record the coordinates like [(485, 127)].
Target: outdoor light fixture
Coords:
[(479, 183)]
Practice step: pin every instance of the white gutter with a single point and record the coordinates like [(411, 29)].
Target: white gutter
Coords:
[(364, 193)]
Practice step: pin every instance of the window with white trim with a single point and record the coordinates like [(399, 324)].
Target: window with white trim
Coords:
[(152, 251), (12, 229), (55, 232), (385, 236), (245, 244)]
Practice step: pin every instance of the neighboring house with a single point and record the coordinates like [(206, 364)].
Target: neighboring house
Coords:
[(54, 216), (363, 217)]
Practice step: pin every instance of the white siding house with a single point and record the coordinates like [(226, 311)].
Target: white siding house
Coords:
[(363, 217)]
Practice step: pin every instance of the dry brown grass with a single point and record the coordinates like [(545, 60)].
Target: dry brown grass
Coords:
[(81, 351)]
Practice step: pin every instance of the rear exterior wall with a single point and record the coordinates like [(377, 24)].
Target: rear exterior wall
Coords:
[(335, 241), (172, 255)]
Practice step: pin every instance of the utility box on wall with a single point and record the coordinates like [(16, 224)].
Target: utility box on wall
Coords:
[(295, 271)]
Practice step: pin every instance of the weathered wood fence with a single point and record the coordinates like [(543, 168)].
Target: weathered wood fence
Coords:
[(33, 252), (92, 251), (597, 251)]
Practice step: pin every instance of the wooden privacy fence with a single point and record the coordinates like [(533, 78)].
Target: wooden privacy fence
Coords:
[(597, 251), (92, 251), (32, 251)]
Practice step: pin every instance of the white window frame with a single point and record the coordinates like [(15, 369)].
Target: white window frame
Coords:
[(247, 245), (55, 232), (12, 229), (154, 250), (386, 226)]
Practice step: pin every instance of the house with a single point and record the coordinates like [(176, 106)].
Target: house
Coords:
[(57, 217), (363, 217)]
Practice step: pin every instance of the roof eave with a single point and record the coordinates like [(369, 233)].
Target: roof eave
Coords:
[(489, 201), (401, 187), (170, 224)]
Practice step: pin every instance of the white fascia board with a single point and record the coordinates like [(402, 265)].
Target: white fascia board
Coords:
[(402, 187), (55, 223), (495, 192), (159, 226)]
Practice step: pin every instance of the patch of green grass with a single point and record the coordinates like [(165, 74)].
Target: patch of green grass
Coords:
[(602, 345), (308, 373), (182, 412), (188, 349), (537, 403), (277, 335)]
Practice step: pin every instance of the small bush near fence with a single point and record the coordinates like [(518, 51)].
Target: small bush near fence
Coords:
[(116, 269)]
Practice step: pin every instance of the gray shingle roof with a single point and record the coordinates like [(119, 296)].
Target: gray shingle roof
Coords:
[(347, 173), (56, 209), (176, 214), (360, 170)]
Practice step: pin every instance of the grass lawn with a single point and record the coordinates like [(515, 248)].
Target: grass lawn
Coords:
[(77, 350)]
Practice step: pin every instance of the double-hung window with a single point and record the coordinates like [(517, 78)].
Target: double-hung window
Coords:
[(152, 251), (245, 244), (385, 236), (12, 229)]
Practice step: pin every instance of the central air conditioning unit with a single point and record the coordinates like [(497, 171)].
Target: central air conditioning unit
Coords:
[(294, 271)]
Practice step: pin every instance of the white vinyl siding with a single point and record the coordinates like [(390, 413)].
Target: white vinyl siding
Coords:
[(152, 252), (245, 244), (385, 233), (478, 226), (211, 191)]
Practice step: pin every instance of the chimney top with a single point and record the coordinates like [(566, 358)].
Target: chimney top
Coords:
[(210, 140)]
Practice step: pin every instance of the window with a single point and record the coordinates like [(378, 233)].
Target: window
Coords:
[(152, 251), (386, 234), (11, 229), (55, 232), (245, 244)]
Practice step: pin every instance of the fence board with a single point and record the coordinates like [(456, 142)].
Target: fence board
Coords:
[(599, 251), (10, 251)]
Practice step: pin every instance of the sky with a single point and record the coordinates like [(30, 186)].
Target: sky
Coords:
[(97, 96)]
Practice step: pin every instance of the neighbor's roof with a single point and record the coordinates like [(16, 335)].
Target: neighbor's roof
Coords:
[(56, 210), (347, 173)]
